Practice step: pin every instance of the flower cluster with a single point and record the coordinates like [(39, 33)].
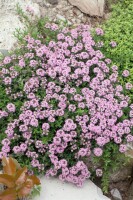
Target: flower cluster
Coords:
[(71, 104)]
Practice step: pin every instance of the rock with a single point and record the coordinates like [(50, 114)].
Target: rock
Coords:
[(54, 189), (78, 21), (69, 23), (59, 7), (53, 2), (84, 20), (130, 192), (116, 194), (8, 24), (9, 20), (60, 17), (42, 3), (81, 16), (64, 9), (91, 7), (107, 16), (43, 11), (63, 3), (76, 11), (129, 152), (1, 187), (4, 52), (122, 174), (73, 20)]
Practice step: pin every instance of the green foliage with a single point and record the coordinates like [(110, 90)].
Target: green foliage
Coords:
[(36, 29), (119, 28), (109, 3), (111, 160), (36, 191)]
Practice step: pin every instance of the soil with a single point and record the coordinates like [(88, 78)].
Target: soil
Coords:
[(122, 186)]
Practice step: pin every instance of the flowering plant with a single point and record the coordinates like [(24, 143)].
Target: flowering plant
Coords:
[(18, 183), (118, 28), (64, 104)]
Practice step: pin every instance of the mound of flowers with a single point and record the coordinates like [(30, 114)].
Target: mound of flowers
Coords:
[(64, 104)]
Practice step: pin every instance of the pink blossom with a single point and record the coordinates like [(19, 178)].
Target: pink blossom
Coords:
[(11, 107), (98, 152), (125, 73), (123, 148)]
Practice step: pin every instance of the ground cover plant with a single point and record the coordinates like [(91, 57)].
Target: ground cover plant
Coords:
[(119, 29), (18, 184), (62, 105)]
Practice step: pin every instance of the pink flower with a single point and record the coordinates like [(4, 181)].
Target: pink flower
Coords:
[(7, 81), (98, 152), (125, 73), (99, 31), (113, 43), (7, 60), (16, 149), (99, 172), (123, 148), (45, 126), (63, 163), (129, 86), (6, 149), (11, 107), (82, 152), (31, 96), (23, 147), (5, 142), (30, 10), (35, 163), (57, 140), (21, 63), (27, 135), (101, 141), (34, 122), (40, 72)]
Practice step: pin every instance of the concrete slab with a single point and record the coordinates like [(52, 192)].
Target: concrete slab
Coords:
[(54, 189)]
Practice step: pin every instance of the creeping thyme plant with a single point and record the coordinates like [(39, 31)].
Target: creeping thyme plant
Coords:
[(119, 29), (62, 105)]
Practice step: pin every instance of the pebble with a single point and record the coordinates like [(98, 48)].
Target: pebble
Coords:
[(53, 2), (63, 10), (130, 192), (60, 17), (84, 20), (116, 194)]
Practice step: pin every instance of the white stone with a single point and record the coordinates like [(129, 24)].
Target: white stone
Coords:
[(9, 20), (54, 189), (129, 152), (63, 19), (60, 17), (116, 194), (91, 7), (8, 24)]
